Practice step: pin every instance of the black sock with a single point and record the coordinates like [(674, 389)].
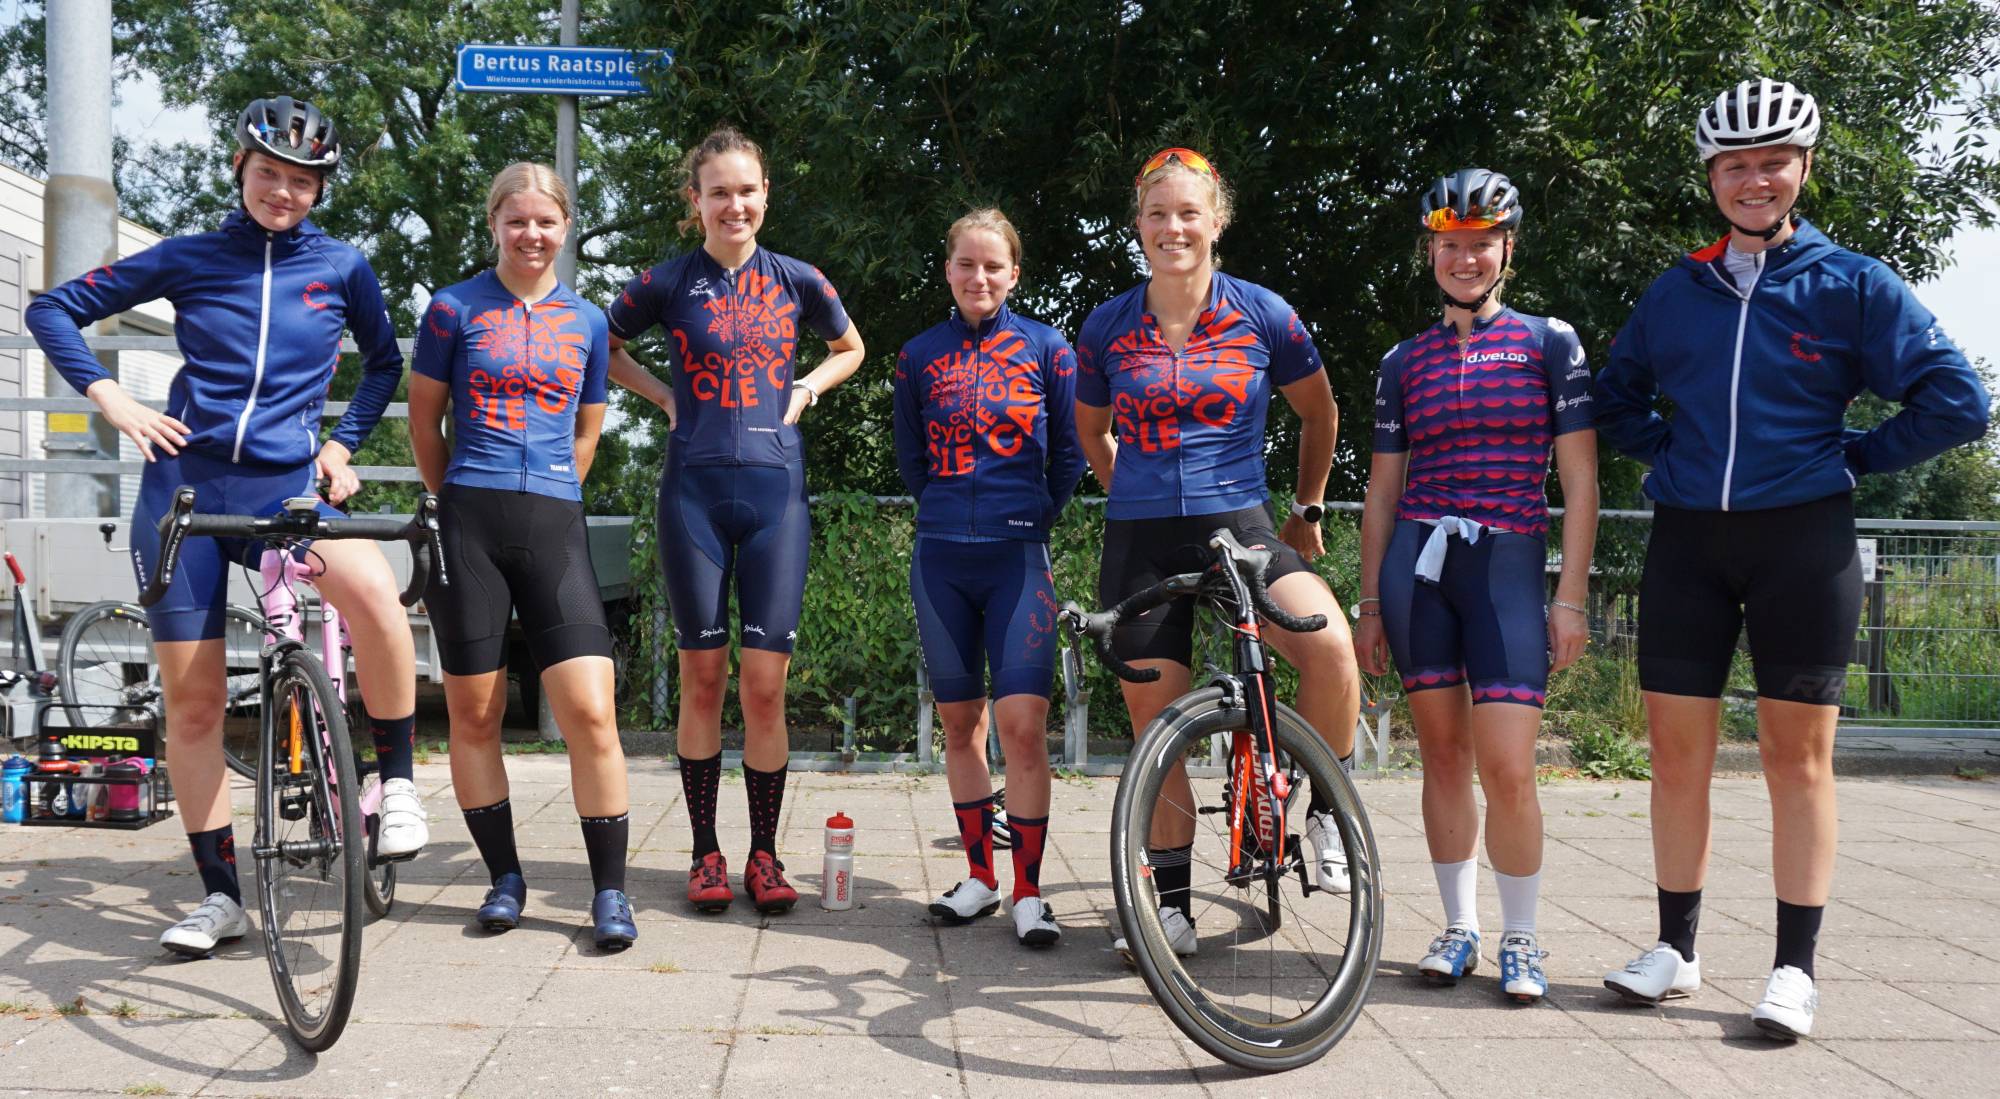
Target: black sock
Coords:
[(395, 745), (492, 828), (1679, 914), (1173, 873), (215, 857), (700, 778), (1798, 934), (767, 800), (604, 840)]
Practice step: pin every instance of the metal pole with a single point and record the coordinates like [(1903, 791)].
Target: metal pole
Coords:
[(79, 231), (566, 145)]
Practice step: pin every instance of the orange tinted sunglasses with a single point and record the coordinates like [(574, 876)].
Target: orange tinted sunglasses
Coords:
[(1444, 219), (1188, 159)]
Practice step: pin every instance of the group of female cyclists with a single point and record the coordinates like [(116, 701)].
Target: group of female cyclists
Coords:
[(1759, 342)]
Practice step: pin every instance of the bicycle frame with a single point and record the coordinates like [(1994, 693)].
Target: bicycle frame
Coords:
[(284, 617)]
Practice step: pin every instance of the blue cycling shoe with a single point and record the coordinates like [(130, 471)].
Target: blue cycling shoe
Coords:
[(613, 915), (1452, 955), (501, 911)]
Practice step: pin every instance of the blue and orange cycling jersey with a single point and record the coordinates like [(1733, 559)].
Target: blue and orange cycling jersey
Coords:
[(733, 339), (1190, 424), (517, 374), (1477, 417)]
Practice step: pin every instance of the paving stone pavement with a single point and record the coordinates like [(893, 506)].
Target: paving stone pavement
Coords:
[(879, 1002)]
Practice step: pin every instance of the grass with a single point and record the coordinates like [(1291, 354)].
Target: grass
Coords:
[(17, 1007), (125, 1009), (146, 1089), (663, 967), (1970, 773), (74, 1007)]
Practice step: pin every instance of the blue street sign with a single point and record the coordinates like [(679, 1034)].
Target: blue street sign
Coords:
[(557, 70)]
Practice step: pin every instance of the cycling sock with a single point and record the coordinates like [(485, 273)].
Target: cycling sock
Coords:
[(767, 801), (1518, 896), (215, 857), (1172, 874), (492, 828), (604, 840), (1680, 913), (1347, 764), (1458, 888), (1798, 935), (975, 834), (395, 745), (1030, 835), (700, 778)]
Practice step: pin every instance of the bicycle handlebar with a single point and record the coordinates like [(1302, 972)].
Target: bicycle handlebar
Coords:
[(1248, 563), (420, 531)]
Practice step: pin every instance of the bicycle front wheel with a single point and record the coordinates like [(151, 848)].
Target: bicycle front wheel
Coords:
[(311, 858), (1281, 969)]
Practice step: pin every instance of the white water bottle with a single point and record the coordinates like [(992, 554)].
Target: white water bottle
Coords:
[(837, 888)]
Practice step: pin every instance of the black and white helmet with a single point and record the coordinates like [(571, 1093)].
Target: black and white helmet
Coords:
[(1472, 198), (291, 130), (1756, 114)]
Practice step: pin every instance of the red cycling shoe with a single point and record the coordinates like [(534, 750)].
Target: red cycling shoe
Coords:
[(764, 877), (708, 884)]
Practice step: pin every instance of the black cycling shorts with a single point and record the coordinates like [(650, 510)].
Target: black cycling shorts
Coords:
[(1139, 553), (508, 552), (1792, 575)]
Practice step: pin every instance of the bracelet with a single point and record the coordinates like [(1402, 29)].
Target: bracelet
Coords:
[(1569, 607), (1359, 613), (1365, 601)]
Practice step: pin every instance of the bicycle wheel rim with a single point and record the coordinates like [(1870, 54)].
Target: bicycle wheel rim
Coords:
[(311, 904), (1276, 997), (105, 663)]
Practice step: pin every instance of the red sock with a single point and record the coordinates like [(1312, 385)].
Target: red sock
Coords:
[(1029, 836), (975, 832)]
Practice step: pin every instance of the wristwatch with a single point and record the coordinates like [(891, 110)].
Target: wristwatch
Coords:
[(1311, 513)]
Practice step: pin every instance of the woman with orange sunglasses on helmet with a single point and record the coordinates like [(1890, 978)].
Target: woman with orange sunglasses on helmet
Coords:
[(1174, 377)]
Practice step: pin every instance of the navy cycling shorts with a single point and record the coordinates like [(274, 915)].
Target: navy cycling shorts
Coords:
[(192, 609), (508, 552), (748, 524), (991, 603), (1484, 623)]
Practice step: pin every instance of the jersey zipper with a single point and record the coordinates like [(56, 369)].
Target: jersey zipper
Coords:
[(1464, 341), (263, 341), (527, 333), (1736, 379)]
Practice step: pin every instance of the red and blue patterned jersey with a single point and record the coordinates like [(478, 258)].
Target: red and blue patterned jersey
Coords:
[(1478, 416), (1190, 425), (733, 337), (517, 374), (986, 426)]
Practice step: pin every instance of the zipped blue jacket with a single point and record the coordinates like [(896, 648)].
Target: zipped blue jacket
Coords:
[(986, 426), (518, 374), (1761, 379), (258, 316)]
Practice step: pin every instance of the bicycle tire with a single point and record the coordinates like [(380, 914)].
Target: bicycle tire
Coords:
[(243, 674), (321, 961), (93, 676), (380, 890), (1212, 1008)]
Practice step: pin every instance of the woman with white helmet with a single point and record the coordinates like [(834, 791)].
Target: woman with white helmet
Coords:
[(1760, 341)]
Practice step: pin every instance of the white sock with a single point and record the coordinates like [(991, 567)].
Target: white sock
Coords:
[(1458, 887), (1347, 763), (1518, 897)]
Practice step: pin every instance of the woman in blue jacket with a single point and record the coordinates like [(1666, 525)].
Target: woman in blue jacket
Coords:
[(259, 308), (1760, 341), (986, 442)]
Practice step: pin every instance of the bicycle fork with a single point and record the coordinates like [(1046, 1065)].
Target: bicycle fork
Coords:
[(1258, 812)]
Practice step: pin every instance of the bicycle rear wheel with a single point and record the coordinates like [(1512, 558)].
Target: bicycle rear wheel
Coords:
[(1263, 993), (311, 864)]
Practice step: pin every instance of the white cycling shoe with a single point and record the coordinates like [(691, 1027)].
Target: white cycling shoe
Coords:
[(1786, 1011), (217, 920), (1035, 923), (1180, 935), (968, 900), (405, 827), (1323, 832), (1658, 974)]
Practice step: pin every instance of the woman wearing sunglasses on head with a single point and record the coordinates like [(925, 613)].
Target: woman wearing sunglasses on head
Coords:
[(1760, 341), (260, 305), (1454, 554), (733, 492), (986, 441), (1173, 380), (520, 360)]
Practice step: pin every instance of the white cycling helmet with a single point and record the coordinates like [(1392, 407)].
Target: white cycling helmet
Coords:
[(1755, 114)]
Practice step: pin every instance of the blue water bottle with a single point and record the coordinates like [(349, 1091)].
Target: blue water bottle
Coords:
[(14, 789)]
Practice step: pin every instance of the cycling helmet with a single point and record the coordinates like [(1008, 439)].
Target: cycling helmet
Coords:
[(291, 130), (1755, 114), (1472, 198)]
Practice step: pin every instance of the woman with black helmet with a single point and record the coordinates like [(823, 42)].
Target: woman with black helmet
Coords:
[(1453, 558), (260, 305), (1760, 341)]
